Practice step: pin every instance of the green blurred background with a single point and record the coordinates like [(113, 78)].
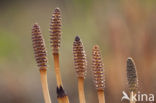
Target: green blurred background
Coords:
[(122, 28)]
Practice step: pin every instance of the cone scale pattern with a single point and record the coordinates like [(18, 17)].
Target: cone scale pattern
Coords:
[(97, 68), (55, 31), (132, 75), (39, 47), (79, 58)]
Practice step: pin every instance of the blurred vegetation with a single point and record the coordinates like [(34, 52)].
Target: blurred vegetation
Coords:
[(122, 28)]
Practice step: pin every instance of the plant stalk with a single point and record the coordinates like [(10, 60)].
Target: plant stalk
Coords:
[(101, 96), (57, 69), (44, 83), (81, 90), (131, 95)]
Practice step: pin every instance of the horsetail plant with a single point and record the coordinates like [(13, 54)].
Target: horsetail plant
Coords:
[(41, 59), (98, 73), (132, 78), (55, 38), (80, 66)]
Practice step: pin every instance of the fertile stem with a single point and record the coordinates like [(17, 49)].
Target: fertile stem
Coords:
[(55, 38), (57, 70), (101, 96), (80, 66), (81, 90), (98, 73), (131, 95), (41, 59), (44, 83)]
